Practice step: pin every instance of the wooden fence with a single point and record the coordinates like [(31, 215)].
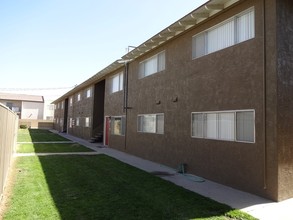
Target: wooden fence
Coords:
[(8, 137)]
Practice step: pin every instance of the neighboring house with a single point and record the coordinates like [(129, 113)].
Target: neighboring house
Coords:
[(213, 91), (26, 106)]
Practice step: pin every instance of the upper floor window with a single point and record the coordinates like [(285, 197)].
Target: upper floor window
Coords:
[(62, 104), (88, 92), (152, 65), (229, 126), (151, 123), (70, 101), (228, 33), (78, 97), (116, 82)]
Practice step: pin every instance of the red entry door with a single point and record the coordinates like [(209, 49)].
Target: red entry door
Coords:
[(107, 130)]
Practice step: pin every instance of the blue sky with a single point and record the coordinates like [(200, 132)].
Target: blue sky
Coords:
[(61, 43)]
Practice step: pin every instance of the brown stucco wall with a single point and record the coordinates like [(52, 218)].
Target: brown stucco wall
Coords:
[(255, 74), (58, 114), (114, 107), (285, 97), (81, 109), (230, 79)]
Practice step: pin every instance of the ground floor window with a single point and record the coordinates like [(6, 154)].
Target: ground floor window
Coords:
[(226, 125), (70, 122), (118, 125), (87, 122), (245, 126), (77, 121), (150, 123)]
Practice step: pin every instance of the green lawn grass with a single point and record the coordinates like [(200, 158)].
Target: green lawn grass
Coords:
[(36, 135), (100, 187), (51, 148), (97, 187)]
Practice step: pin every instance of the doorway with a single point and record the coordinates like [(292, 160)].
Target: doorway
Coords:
[(98, 112)]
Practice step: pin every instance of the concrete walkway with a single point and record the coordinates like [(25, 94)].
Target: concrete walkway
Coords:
[(256, 206), (47, 142)]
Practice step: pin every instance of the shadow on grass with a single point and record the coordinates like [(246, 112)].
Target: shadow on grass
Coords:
[(100, 187), (37, 135)]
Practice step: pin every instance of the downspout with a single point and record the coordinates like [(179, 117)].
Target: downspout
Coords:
[(125, 102), (264, 98)]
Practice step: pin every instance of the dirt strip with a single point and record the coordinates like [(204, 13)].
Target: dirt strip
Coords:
[(53, 154)]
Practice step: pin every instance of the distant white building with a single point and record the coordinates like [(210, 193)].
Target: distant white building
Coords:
[(48, 110), (32, 95), (28, 106)]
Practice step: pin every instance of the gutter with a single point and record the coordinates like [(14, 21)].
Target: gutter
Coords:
[(195, 18)]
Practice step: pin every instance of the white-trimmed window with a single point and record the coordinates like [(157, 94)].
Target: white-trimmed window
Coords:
[(70, 101), (88, 92), (116, 82), (57, 120), (61, 121), (234, 30), (152, 65), (150, 123), (228, 125), (58, 105), (87, 122), (77, 121), (118, 125), (70, 122), (78, 97), (245, 126), (62, 104)]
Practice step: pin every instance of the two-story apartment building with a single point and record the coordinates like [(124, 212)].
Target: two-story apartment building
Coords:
[(213, 91)]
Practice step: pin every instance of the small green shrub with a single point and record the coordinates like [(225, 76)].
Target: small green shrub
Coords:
[(23, 126)]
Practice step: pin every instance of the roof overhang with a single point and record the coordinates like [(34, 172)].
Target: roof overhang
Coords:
[(193, 19), (94, 79), (196, 17)]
